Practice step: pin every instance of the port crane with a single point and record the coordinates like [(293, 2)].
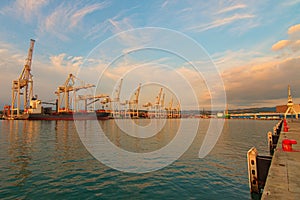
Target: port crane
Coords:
[(170, 109), (162, 104), (157, 105), (69, 86), (173, 112), (133, 105), (116, 100), (178, 111), (92, 99), (23, 86)]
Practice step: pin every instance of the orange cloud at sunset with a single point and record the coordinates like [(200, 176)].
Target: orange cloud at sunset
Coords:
[(280, 45), (293, 43), (258, 84), (293, 29)]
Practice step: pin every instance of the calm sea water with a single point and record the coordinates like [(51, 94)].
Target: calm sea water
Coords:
[(47, 160)]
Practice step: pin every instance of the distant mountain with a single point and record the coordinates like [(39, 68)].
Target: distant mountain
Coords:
[(233, 111), (253, 110)]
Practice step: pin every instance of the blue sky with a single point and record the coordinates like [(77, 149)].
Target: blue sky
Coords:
[(255, 45)]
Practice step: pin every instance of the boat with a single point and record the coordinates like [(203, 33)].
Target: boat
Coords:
[(94, 115), (38, 112)]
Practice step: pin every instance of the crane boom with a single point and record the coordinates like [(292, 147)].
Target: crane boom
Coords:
[(118, 91), (137, 94), (23, 85), (135, 102), (171, 104), (27, 67), (163, 100), (158, 97), (66, 89)]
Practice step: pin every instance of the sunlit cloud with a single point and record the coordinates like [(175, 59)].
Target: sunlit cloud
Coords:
[(252, 84), (292, 44), (78, 15), (66, 18), (231, 8), (294, 29), (242, 57), (26, 10), (222, 22), (112, 25), (281, 44)]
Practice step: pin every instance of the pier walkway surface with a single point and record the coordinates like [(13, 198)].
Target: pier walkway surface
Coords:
[(283, 180)]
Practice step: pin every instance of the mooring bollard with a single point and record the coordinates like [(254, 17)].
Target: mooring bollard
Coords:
[(284, 122), (285, 126), (287, 144)]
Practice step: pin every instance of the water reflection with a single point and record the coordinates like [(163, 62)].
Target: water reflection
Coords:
[(47, 159), (22, 136), (130, 139)]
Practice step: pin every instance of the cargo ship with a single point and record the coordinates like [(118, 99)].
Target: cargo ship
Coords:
[(38, 112), (79, 115)]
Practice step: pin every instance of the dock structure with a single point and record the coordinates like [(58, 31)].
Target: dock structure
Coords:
[(283, 180)]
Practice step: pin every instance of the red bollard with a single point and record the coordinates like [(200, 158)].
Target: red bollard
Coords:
[(284, 122), (285, 126), (287, 144)]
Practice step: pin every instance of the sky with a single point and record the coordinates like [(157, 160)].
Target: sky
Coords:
[(250, 49)]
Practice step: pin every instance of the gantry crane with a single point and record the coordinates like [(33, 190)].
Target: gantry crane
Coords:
[(134, 108), (162, 104), (170, 109), (23, 86), (157, 105), (116, 100), (65, 90), (92, 99), (178, 111)]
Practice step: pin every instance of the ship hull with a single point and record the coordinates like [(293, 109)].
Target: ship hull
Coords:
[(102, 115)]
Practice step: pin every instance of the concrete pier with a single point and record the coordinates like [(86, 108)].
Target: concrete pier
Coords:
[(283, 180)]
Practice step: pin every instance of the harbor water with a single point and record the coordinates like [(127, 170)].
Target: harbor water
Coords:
[(47, 160)]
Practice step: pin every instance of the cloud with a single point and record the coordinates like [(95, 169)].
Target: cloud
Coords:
[(121, 22), (25, 10), (201, 16), (290, 3), (255, 79), (242, 57), (281, 44), (78, 15), (294, 29), (231, 8), (66, 18), (222, 22), (291, 45), (165, 3), (262, 83), (121, 25)]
